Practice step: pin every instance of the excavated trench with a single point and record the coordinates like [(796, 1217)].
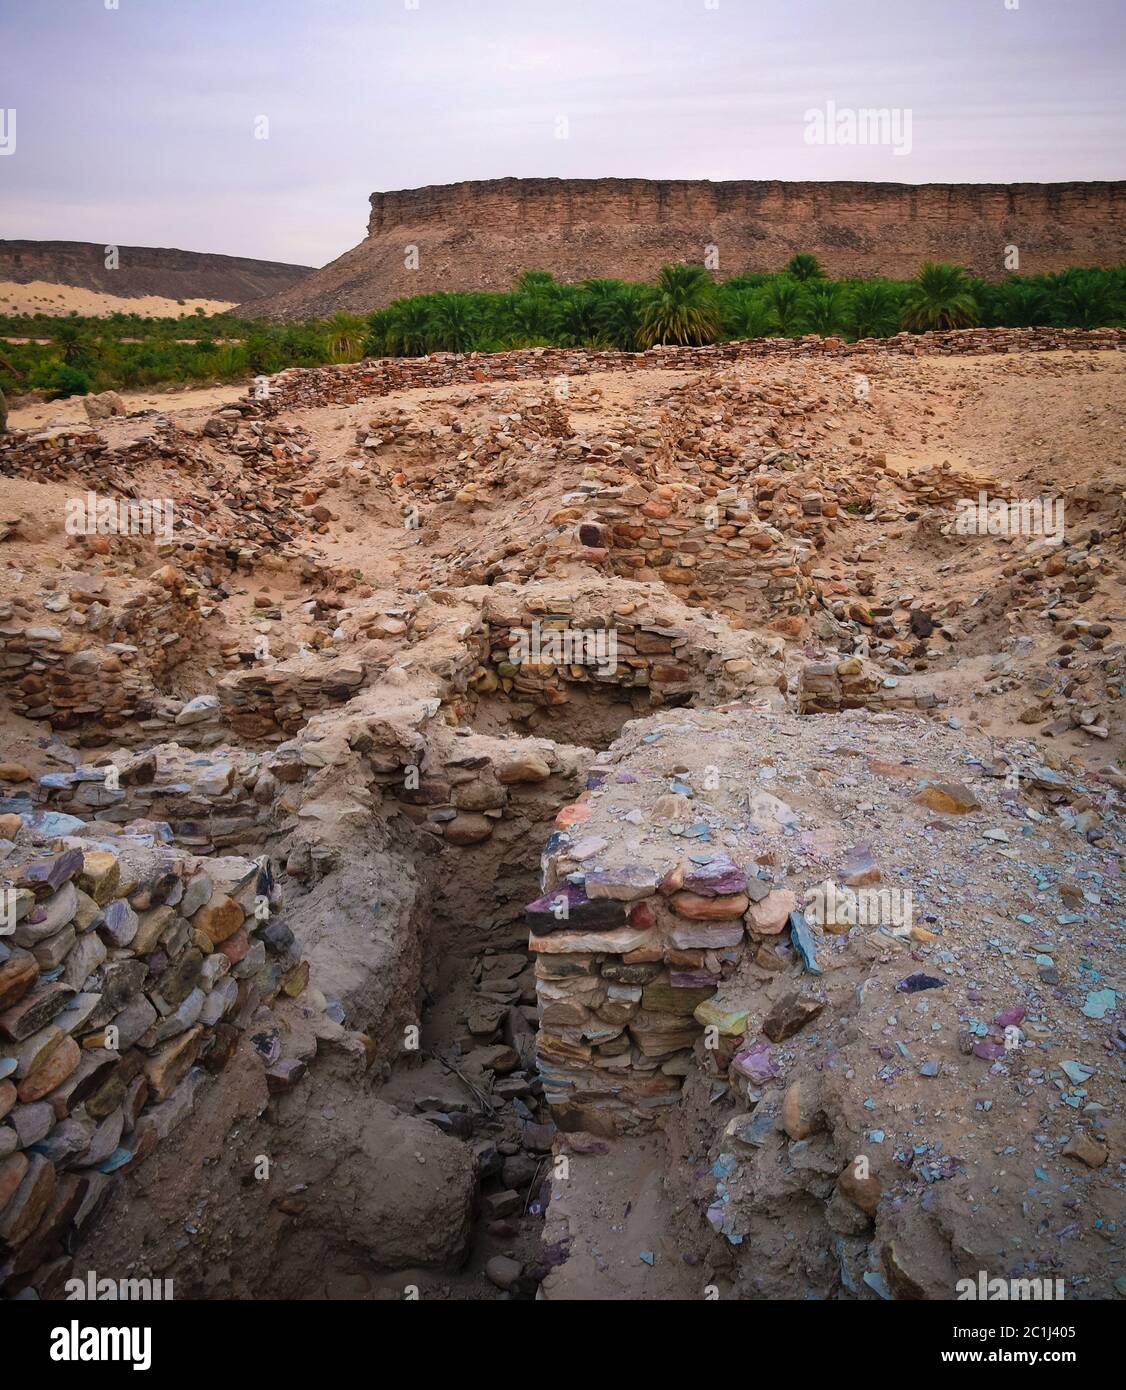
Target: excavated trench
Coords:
[(592, 717), (427, 1169)]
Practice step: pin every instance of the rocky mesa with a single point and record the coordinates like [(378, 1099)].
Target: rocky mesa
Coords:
[(481, 235)]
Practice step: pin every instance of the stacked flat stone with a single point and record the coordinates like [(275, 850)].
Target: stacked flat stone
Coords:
[(101, 664), (855, 683), (128, 974), (274, 701), (629, 960), (656, 662), (201, 802), (711, 551)]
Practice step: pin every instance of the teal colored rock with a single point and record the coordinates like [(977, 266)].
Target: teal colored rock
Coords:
[(803, 941), (116, 1160), (1099, 1003)]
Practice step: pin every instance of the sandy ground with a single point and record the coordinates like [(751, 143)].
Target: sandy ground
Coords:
[(28, 413), (45, 297)]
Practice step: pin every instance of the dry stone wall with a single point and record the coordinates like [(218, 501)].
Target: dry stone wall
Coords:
[(130, 972), (346, 385)]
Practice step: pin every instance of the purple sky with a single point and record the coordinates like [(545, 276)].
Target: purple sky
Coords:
[(135, 125)]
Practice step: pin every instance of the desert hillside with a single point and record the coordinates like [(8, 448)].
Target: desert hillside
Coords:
[(29, 270), (482, 235)]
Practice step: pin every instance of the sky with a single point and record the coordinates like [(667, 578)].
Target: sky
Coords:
[(139, 122)]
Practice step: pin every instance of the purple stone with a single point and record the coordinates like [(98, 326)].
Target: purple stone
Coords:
[(567, 907), (912, 984), (717, 878), (757, 1064), (692, 979), (1010, 1016), (53, 873)]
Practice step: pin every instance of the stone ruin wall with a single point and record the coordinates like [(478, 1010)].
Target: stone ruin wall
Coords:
[(296, 388), (118, 927), (130, 973)]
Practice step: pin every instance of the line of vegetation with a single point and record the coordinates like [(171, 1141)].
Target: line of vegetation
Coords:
[(72, 355)]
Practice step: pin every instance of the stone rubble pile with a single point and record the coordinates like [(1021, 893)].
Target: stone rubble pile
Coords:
[(623, 641), (347, 385), (961, 1027)]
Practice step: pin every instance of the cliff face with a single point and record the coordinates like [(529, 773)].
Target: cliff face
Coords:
[(482, 235), (146, 270)]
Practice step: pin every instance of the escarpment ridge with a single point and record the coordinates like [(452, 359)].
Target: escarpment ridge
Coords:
[(481, 235)]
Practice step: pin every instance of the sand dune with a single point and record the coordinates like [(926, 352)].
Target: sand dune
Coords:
[(43, 297)]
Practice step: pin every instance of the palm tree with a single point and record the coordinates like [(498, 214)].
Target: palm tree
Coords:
[(410, 331), (682, 309), (1022, 303), (578, 318), (1084, 299), (453, 323), (804, 266), (873, 311), (939, 297), (537, 282), (73, 345), (617, 310), (745, 316), (824, 307), (344, 336), (380, 340), (532, 318), (784, 302)]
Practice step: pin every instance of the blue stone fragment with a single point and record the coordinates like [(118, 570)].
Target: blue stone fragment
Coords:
[(116, 1160), (802, 939)]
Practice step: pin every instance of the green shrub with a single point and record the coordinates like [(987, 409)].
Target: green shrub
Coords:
[(58, 381)]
